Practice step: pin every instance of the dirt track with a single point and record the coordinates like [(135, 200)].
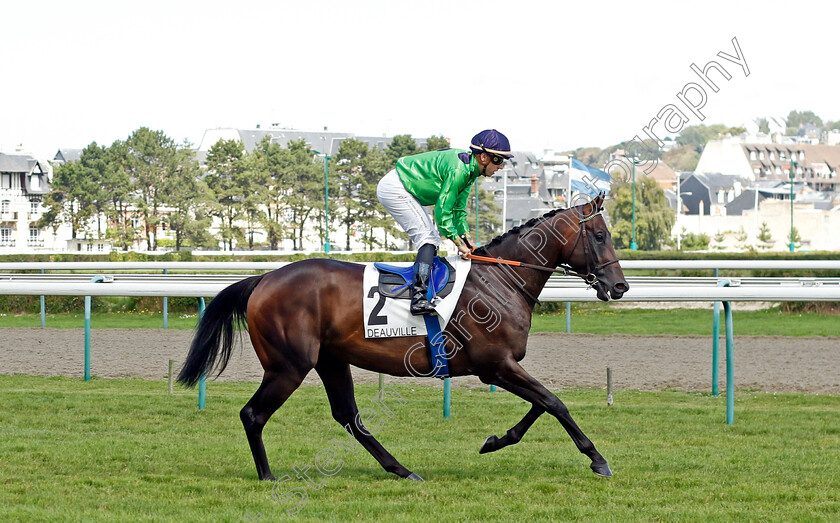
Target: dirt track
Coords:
[(768, 363)]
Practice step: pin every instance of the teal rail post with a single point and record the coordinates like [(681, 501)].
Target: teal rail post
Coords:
[(165, 310), (95, 279), (43, 309), (715, 341), (447, 396), (730, 378), (730, 341), (568, 316), (202, 382)]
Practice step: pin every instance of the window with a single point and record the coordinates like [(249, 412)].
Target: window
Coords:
[(772, 156), (35, 237), (33, 207), (89, 247), (5, 235), (35, 183), (752, 155), (801, 156), (100, 247), (4, 207), (5, 181)]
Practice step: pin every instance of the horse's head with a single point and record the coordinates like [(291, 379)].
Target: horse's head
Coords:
[(593, 254)]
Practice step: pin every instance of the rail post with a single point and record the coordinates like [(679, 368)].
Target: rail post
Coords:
[(165, 310), (95, 279), (730, 341), (43, 309), (202, 382), (568, 317)]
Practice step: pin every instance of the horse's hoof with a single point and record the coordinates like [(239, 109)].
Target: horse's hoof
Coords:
[(269, 477), (601, 469), (490, 444), (414, 477)]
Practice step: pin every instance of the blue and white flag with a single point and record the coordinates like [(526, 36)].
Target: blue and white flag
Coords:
[(587, 179)]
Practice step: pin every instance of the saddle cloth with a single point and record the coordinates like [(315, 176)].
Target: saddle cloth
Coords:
[(389, 317)]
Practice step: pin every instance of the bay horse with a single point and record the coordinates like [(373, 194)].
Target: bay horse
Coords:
[(308, 315)]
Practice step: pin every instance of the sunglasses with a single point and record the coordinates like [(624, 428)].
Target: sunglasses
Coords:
[(495, 159)]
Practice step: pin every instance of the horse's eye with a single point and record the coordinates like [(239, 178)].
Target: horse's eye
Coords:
[(599, 237)]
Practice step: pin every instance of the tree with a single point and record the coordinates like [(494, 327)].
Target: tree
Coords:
[(116, 183), (796, 120), (225, 177), (350, 181), (793, 236), (764, 235), (152, 161), (402, 145), (189, 198), (304, 179), (694, 242), (434, 143), (69, 199), (654, 218), (683, 158), (764, 126), (264, 166)]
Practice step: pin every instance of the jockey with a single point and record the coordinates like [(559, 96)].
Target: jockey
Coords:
[(444, 179)]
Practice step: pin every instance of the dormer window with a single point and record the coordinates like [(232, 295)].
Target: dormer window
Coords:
[(760, 155), (772, 156), (801, 156), (752, 155)]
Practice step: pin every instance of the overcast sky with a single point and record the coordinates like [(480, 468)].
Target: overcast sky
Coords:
[(554, 74)]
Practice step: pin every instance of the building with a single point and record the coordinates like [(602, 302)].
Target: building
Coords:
[(24, 181), (815, 165)]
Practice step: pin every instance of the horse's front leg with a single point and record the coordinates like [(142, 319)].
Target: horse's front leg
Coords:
[(512, 377), (514, 435)]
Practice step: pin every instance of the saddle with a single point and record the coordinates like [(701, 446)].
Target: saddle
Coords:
[(395, 280)]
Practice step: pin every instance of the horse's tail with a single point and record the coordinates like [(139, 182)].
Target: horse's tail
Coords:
[(225, 312)]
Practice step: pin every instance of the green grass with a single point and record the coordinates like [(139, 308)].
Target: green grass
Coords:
[(124, 450), (590, 318)]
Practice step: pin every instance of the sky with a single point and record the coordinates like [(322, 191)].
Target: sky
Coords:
[(550, 75)]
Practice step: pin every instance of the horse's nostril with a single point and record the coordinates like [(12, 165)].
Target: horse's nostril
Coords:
[(621, 287)]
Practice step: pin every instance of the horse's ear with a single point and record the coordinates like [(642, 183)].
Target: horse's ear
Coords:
[(599, 200)]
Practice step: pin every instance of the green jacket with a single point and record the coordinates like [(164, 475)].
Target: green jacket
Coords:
[(441, 179)]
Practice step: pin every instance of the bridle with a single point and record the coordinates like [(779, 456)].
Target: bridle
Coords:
[(590, 278)]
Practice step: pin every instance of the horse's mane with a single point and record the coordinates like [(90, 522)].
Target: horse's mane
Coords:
[(482, 251)]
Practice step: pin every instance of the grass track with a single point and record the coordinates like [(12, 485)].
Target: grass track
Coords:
[(125, 450)]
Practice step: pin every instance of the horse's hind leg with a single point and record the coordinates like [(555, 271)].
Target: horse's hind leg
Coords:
[(338, 383), (514, 435), (274, 390)]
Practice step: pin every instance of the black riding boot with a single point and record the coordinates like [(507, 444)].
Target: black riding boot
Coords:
[(422, 274)]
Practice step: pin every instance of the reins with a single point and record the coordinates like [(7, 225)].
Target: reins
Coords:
[(589, 278)]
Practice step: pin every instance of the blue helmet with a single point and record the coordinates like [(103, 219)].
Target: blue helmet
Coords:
[(491, 141)]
